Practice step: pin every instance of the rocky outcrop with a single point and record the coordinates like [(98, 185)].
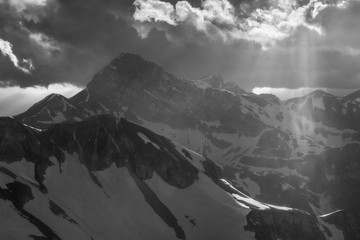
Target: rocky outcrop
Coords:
[(344, 221), (102, 140), (273, 224), (99, 141), (19, 142)]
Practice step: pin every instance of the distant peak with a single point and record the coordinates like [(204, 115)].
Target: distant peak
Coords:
[(129, 58), (210, 77), (355, 94), (127, 55), (53, 96), (129, 62), (320, 93), (215, 81), (49, 98)]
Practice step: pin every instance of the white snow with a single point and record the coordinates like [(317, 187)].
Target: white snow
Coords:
[(147, 140), (216, 213), (280, 207), (318, 102), (331, 213), (116, 211), (245, 199)]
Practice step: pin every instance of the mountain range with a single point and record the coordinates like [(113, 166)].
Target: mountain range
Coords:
[(142, 154)]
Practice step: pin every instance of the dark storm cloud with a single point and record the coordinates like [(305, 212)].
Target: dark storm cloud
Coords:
[(70, 40), (311, 44)]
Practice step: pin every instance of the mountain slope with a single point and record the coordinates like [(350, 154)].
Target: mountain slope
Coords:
[(52, 109), (291, 153), (135, 183), (207, 120)]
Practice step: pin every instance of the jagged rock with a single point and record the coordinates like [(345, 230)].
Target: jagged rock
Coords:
[(272, 224), (344, 221)]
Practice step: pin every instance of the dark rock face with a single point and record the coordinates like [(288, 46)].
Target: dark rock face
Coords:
[(92, 139), (344, 190), (171, 166), (273, 224), (274, 143), (101, 141), (18, 193), (346, 222), (19, 142)]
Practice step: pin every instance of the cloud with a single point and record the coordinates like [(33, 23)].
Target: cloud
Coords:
[(21, 5), (341, 25), (15, 100), (24, 65), (44, 41), (154, 10), (286, 93), (220, 19), (69, 41)]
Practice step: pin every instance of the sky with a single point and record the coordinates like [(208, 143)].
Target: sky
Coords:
[(267, 46)]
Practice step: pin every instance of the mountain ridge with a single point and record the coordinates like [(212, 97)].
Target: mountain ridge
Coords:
[(139, 152), (273, 151)]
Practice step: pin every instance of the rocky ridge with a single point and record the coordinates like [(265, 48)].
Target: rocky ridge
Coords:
[(293, 153)]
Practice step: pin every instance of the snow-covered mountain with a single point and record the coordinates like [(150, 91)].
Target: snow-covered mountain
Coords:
[(337, 112), (301, 153), (215, 81), (54, 108), (104, 178)]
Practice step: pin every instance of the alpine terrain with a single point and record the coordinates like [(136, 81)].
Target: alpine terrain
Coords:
[(142, 154)]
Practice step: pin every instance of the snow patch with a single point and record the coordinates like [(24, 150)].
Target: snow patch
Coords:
[(317, 102), (147, 140)]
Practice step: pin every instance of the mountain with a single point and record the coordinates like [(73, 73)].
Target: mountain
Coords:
[(298, 154), (52, 109), (332, 111), (215, 81), (107, 179)]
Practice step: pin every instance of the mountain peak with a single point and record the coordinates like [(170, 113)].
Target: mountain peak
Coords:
[(49, 98), (128, 56), (353, 95), (215, 81), (54, 108), (128, 61), (54, 96), (320, 93)]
